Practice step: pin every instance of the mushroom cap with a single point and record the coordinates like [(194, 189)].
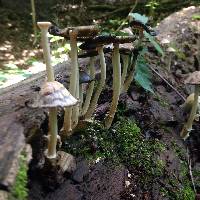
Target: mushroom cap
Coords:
[(105, 40), (54, 94), (43, 25), (84, 77), (193, 78), (82, 32)]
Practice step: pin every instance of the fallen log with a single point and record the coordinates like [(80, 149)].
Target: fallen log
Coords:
[(18, 122)]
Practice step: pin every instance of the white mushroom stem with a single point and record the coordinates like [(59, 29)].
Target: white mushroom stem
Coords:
[(53, 129), (125, 59), (90, 89), (75, 110), (74, 79), (116, 86), (46, 49), (188, 126), (100, 86)]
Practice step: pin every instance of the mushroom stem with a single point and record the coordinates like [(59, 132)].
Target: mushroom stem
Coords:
[(46, 49), (188, 126), (75, 110), (90, 89), (53, 132), (125, 59), (129, 79), (74, 78), (100, 86), (116, 86)]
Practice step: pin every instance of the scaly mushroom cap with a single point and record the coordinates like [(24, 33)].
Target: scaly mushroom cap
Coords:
[(54, 94), (193, 78)]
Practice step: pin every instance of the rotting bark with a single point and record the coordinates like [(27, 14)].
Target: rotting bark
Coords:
[(18, 122)]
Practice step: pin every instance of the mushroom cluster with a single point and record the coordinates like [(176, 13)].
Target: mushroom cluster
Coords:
[(124, 49), (52, 94)]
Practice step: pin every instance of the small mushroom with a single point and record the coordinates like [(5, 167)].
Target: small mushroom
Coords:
[(193, 79), (90, 89), (83, 78), (171, 51), (53, 95), (116, 85), (98, 41), (125, 50)]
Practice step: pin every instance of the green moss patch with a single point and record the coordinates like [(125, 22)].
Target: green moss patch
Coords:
[(19, 190)]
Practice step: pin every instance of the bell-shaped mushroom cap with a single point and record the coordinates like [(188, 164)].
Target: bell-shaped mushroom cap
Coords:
[(54, 94), (193, 78)]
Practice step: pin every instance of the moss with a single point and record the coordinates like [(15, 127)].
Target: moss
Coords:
[(19, 190), (123, 143), (179, 187)]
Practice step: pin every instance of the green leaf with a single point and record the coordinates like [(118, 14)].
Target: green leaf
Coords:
[(154, 43), (143, 74), (136, 16)]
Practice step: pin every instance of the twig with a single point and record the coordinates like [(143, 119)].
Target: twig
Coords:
[(190, 171), (124, 21), (167, 82)]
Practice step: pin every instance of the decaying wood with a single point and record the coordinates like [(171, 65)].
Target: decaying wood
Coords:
[(11, 144), (17, 122)]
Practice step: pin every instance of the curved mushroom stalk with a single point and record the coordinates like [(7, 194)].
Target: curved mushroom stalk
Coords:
[(100, 86), (188, 126), (116, 86), (90, 89), (53, 133), (74, 78), (125, 59)]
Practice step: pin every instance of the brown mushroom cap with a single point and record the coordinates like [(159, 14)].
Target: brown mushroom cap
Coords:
[(54, 94), (105, 40), (82, 31), (193, 78)]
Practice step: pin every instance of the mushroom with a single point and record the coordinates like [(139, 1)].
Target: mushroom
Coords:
[(171, 51), (53, 95), (74, 79), (90, 89), (193, 79), (74, 33), (116, 85), (100, 86), (125, 51)]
